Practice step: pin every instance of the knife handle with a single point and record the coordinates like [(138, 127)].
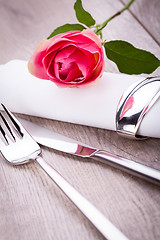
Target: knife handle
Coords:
[(105, 227), (134, 168)]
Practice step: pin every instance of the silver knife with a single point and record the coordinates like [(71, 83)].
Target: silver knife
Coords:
[(62, 143)]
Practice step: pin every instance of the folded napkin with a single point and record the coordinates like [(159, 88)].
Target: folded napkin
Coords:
[(94, 106)]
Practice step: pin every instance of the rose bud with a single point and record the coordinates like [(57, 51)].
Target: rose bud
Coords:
[(71, 59)]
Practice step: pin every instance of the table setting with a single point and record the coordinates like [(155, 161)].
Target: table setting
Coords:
[(84, 104)]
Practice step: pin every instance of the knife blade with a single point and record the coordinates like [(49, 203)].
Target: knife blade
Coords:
[(62, 143)]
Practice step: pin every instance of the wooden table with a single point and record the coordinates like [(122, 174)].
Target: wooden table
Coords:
[(31, 205)]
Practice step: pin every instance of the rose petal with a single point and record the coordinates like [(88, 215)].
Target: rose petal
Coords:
[(64, 53), (90, 34), (36, 67), (57, 59), (35, 64), (74, 73), (88, 39)]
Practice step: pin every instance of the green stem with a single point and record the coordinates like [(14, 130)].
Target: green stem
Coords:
[(103, 25)]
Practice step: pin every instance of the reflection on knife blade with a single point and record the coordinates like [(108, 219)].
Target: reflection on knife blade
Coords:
[(59, 142), (56, 141)]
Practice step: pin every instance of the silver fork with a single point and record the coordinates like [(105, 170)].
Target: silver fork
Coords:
[(18, 147)]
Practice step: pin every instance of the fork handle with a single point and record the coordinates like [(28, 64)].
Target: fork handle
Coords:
[(105, 227)]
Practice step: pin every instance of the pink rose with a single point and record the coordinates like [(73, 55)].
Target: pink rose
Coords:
[(71, 59)]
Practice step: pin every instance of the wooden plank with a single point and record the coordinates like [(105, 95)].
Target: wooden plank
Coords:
[(31, 206), (147, 14)]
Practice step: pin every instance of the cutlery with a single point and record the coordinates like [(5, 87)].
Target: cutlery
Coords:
[(18, 147), (62, 143)]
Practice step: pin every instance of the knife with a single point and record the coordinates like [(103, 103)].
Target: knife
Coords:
[(62, 143)]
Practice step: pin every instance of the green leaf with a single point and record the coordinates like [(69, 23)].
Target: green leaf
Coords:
[(82, 15), (65, 28), (129, 59)]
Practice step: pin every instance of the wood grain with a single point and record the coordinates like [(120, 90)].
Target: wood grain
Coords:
[(31, 205), (147, 14)]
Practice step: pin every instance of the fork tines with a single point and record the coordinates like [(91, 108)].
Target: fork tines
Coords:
[(8, 125), (17, 145)]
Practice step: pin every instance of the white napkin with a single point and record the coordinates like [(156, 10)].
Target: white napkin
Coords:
[(94, 106)]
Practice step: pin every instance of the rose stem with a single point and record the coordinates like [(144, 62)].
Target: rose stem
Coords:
[(103, 25)]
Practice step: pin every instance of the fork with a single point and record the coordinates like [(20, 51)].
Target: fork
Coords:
[(18, 147)]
